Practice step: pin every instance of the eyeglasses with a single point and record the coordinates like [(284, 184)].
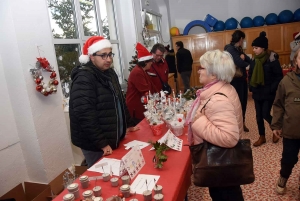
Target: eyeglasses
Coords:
[(201, 68), (105, 56), (159, 55)]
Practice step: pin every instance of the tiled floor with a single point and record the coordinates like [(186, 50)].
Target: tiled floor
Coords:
[(266, 168)]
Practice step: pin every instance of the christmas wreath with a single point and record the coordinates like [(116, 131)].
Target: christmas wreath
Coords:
[(46, 89)]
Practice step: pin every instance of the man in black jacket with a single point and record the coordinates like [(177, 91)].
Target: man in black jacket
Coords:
[(184, 64), (98, 114), (241, 60)]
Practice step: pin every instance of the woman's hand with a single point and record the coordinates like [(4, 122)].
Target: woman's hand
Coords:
[(277, 133), (132, 129), (242, 56), (107, 150)]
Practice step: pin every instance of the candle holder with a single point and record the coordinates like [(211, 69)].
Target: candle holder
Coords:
[(114, 181), (158, 197), (87, 194), (74, 189), (69, 197), (147, 195), (125, 179), (158, 189), (97, 191), (98, 199), (125, 190), (106, 176), (84, 180)]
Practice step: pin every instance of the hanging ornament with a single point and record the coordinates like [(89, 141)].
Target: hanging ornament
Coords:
[(43, 64)]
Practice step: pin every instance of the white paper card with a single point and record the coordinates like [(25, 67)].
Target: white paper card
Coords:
[(108, 164), (171, 141), (139, 184), (134, 143), (133, 161)]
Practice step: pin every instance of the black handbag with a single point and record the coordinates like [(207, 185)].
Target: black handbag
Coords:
[(215, 166), (165, 86)]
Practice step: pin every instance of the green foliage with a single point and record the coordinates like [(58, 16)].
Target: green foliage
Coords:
[(160, 156)]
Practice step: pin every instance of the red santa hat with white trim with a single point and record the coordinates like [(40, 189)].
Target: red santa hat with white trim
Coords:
[(142, 53), (93, 45)]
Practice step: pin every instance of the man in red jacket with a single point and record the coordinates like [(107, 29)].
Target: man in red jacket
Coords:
[(159, 66)]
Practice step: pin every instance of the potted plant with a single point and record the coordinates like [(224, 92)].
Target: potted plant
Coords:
[(160, 156)]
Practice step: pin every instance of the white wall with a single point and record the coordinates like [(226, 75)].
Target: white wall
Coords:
[(183, 12), (34, 139)]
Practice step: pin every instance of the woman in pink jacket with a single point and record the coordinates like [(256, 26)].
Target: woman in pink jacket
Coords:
[(221, 122)]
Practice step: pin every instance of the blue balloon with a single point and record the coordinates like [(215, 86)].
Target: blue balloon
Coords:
[(246, 22), (231, 23), (285, 16), (297, 15), (271, 19), (258, 21), (219, 26)]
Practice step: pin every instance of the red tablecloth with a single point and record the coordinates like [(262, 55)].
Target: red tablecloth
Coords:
[(174, 176)]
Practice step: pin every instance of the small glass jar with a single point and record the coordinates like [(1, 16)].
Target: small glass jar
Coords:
[(125, 179), (158, 197), (157, 189), (87, 194), (125, 190), (106, 177), (147, 195), (114, 181), (74, 189), (98, 199), (97, 191), (84, 180), (69, 197)]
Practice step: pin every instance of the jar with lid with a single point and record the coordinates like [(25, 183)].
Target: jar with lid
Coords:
[(69, 197), (74, 189), (84, 180), (125, 190), (87, 194), (125, 179)]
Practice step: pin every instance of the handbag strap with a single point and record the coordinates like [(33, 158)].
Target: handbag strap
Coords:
[(210, 98), (158, 75)]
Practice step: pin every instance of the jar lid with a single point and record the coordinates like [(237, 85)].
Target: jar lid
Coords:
[(125, 187), (83, 177), (98, 199), (125, 177), (97, 188), (87, 193), (114, 179), (68, 196), (158, 196), (73, 186)]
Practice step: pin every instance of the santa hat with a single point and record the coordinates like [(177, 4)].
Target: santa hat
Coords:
[(143, 53), (296, 35), (92, 45)]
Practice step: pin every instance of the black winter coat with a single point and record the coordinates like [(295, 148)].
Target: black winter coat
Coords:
[(184, 60), (240, 63), (93, 108), (272, 75)]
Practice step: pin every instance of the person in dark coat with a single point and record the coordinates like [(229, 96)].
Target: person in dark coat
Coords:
[(184, 64), (98, 114), (265, 73), (171, 61), (241, 61)]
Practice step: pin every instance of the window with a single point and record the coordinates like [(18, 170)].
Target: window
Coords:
[(72, 23), (152, 35)]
